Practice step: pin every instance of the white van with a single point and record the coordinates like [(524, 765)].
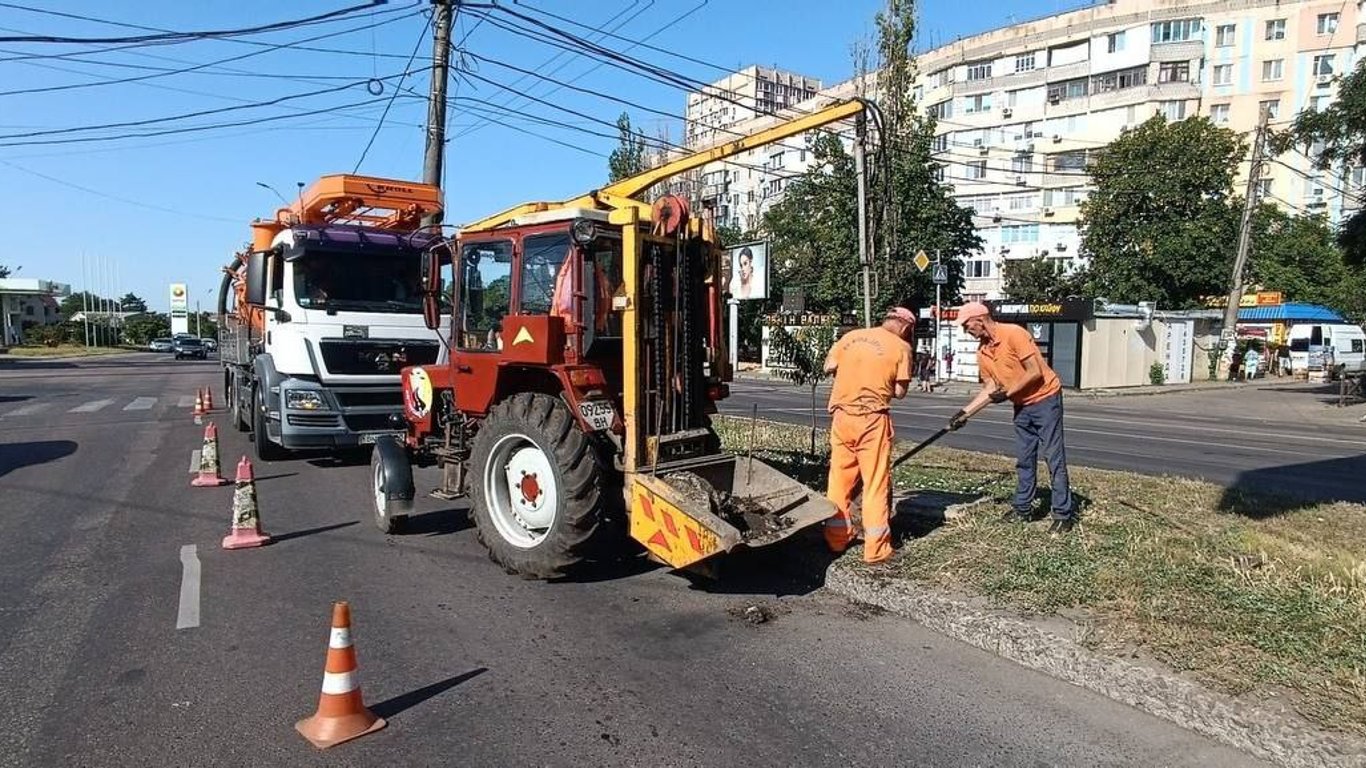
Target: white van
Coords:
[(1347, 342)]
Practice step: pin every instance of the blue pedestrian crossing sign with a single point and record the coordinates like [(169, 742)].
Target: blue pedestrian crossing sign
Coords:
[(941, 274)]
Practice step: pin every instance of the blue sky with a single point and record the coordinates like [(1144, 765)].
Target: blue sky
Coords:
[(174, 207)]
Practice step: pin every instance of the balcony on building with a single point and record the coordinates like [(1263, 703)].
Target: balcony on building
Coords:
[(1185, 50)]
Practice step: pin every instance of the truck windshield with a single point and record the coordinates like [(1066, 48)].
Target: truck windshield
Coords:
[(371, 281)]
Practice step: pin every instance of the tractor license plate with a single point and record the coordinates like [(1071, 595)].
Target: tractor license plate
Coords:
[(597, 413), (370, 437)]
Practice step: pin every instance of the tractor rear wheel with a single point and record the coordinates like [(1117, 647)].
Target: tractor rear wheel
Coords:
[(537, 487)]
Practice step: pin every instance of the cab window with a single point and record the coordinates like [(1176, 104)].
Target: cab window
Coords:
[(485, 294), (543, 259)]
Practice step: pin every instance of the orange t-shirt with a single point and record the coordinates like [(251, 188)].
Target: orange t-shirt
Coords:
[(1003, 360), (870, 361)]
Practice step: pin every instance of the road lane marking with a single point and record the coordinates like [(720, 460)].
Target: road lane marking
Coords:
[(185, 401), (188, 615), (141, 404), (91, 407), (28, 410)]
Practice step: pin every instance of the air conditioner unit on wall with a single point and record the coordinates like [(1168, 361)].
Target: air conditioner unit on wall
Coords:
[(1048, 211), (1323, 80), (984, 151), (1006, 112)]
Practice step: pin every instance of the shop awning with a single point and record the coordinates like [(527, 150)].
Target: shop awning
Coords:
[(1291, 312)]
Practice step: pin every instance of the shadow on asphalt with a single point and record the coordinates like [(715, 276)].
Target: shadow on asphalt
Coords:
[(34, 365), (14, 398), (1258, 494), (16, 455), (438, 523), (352, 457), (793, 566), (278, 476), (310, 531), (404, 701)]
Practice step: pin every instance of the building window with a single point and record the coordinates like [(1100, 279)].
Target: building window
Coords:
[(974, 268), (1024, 62), (1174, 72), (1176, 31), (1323, 65), (1114, 43), (1263, 188), (1318, 103), (940, 143), (1062, 198), (1223, 35), (1068, 161), (1020, 233), (1023, 202), (1328, 23), (976, 169), (28, 310), (1223, 74), (1275, 29), (1021, 163), (1218, 113), (1118, 80), (1172, 110), (1067, 89), (978, 103), (979, 71), (1272, 108), (942, 111), (1273, 69)]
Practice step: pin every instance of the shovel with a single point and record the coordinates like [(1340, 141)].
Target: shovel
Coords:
[(922, 445)]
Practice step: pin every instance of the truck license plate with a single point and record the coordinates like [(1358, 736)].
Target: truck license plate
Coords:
[(370, 437), (597, 413)]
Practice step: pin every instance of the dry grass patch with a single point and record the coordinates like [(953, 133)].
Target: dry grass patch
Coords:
[(66, 350), (1248, 592)]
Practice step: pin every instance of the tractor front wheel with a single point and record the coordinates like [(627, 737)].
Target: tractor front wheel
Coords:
[(536, 483)]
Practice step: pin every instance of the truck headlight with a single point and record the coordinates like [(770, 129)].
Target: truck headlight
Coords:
[(303, 399)]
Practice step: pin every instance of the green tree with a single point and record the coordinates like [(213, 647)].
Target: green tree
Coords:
[(4, 271), (628, 159), (815, 224), (1298, 256), (132, 303), (77, 302), (1164, 235), (804, 352), (1040, 279), (142, 328), (1336, 136)]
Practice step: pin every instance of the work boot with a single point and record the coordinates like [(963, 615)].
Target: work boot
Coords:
[(1060, 527), (1014, 516)]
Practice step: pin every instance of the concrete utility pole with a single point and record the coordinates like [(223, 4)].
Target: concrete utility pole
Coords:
[(1228, 337), (860, 169), (442, 17), (938, 318)]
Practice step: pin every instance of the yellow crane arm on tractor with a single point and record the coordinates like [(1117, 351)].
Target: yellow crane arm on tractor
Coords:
[(622, 194)]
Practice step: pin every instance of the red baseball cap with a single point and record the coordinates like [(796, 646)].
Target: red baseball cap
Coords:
[(970, 310), (902, 313)]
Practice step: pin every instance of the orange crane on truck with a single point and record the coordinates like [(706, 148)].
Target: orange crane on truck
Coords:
[(586, 358)]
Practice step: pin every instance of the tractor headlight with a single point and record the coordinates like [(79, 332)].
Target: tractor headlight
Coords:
[(303, 399), (583, 231)]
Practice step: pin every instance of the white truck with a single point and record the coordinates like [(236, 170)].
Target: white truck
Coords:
[(319, 315)]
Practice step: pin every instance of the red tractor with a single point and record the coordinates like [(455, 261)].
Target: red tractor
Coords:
[(587, 355)]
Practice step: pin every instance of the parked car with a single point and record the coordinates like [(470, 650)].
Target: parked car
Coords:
[(161, 345), (210, 344), (190, 347)]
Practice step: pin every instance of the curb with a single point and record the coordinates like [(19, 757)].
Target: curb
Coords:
[(1276, 737)]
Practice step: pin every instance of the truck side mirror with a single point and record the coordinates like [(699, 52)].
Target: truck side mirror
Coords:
[(431, 272), (431, 311), (257, 278)]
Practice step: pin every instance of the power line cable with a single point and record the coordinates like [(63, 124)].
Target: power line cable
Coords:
[(163, 37), (397, 90)]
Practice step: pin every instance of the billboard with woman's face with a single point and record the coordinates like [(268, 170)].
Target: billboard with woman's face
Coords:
[(749, 271)]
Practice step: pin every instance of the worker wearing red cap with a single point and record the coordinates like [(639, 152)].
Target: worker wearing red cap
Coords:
[(1012, 368), (871, 366)]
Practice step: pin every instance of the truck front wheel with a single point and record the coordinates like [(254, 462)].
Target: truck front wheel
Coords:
[(537, 487), (265, 449)]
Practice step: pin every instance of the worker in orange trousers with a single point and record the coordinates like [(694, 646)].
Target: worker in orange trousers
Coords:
[(871, 367)]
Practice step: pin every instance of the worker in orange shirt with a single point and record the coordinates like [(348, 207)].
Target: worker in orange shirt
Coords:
[(871, 366), (1012, 368)]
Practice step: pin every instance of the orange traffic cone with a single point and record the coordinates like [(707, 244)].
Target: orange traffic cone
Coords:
[(209, 474), (341, 714), (246, 521), (198, 407), (208, 399)]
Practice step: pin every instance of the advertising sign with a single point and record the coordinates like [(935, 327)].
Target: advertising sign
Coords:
[(749, 271), (180, 297)]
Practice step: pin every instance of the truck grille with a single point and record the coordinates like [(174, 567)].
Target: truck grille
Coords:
[(367, 422), (371, 357), (392, 397), (312, 419)]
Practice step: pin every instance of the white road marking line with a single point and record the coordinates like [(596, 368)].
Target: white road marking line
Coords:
[(186, 401), (28, 410), (194, 461), (91, 407), (187, 617), (141, 404)]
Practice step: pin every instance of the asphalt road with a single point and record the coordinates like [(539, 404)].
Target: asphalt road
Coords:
[(471, 666), (1288, 440)]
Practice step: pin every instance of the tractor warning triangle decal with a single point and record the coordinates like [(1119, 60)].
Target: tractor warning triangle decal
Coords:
[(523, 337)]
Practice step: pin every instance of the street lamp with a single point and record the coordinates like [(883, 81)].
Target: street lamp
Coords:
[(264, 185)]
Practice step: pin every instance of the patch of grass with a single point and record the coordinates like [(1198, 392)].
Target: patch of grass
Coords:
[(1244, 602), (65, 350)]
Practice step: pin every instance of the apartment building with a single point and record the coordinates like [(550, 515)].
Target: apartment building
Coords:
[(738, 97), (1020, 110)]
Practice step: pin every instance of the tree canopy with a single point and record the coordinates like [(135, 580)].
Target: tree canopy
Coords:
[(628, 159)]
